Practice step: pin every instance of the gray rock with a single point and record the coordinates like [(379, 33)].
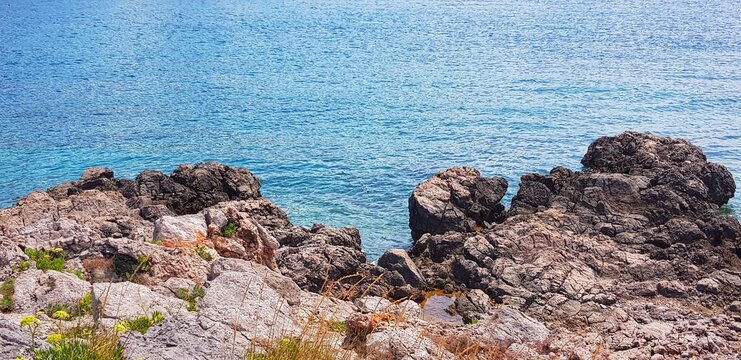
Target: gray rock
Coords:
[(457, 199), (180, 228), (398, 260), (403, 344), (127, 300), (280, 283), (35, 290), (708, 285), (244, 302), (15, 341), (472, 305)]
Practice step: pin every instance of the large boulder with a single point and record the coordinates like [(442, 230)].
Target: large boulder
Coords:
[(457, 199), (186, 228), (36, 290), (398, 261), (127, 300)]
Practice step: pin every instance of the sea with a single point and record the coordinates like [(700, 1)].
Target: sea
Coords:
[(342, 107)]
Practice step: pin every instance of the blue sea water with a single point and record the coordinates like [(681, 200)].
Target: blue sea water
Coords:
[(342, 107)]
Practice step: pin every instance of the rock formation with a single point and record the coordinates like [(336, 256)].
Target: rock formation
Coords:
[(630, 258)]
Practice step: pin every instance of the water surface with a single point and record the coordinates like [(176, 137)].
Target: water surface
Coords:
[(342, 107)]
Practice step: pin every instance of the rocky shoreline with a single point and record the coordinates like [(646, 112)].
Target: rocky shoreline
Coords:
[(630, 258)]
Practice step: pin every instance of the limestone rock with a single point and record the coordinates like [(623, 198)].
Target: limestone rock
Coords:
[(35, 290)]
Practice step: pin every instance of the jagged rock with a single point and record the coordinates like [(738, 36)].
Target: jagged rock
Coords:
[(97, 178), (595, 248), (127, 300), (313, 257), (180, 338), (457, 199), (11, 256), (15, 341), (186, 228), (472, 305), (244, 302), (162, 263), (510, 325), (398, 261), (282, 284), (35, 290), (407, 344)]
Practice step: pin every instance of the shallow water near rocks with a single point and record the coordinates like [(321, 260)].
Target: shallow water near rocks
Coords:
[(342, 107)]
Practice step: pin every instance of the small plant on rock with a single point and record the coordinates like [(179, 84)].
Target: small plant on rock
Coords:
[(47, 259), (229, 230), (191, 296), (7, 289), (140, 324), (205, 255)]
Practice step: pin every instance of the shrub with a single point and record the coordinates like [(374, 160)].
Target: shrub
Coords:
[(191, 296), (47, 259), (205, 255), (81, 344), (7, 289), (229, 230), (725, 210)]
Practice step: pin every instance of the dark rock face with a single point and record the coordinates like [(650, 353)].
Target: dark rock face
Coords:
[(320, 257), (188, 190), (457, 199), (641, 224)]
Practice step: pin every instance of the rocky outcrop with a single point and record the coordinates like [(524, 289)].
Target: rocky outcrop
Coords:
[(606, 248), (457, 199), (629, 258)]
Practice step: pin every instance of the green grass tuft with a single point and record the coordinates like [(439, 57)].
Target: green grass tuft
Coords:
[(191, 296), (229, 230), (143, 323), (47, 259), (83, 343), (205, 255), (294, 349)]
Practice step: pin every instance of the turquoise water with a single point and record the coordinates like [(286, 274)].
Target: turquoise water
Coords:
[(342, 107)]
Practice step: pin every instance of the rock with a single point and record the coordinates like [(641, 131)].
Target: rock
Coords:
[(708, 285), (97, 178), (245, 303), (282, 284), (35, 290), (673, 289), (177, 339), (172, 286), (408, 344), (155, 212), (162, 263), (457, 199), (510, 325), (215, 183), (15, 341), (187, 228), (472, 305), (314, 257), (398, 260), (127, 300)]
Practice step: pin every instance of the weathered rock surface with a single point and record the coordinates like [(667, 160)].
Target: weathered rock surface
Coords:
[(608, 247), (35, 290), (457, 199), (630, 258), (127, 300)]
